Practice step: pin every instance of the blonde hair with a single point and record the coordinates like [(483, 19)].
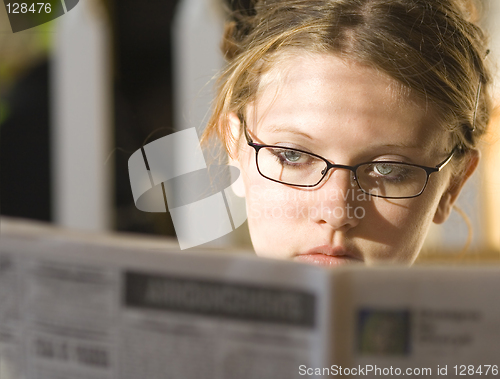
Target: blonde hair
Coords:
[(429, 46)]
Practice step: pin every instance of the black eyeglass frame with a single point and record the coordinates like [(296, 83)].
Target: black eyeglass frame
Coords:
[(353, 169)]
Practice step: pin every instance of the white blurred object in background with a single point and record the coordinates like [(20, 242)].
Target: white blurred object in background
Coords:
[(197, 32), (81, 114)]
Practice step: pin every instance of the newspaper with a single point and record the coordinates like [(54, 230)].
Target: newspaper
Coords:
[(81, 306), (90, 306)]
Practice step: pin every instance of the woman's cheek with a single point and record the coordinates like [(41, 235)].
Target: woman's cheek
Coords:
[(273, 204), (400, 225), (272, 223)]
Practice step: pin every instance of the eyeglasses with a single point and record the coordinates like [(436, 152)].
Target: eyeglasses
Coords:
[(386, 179)]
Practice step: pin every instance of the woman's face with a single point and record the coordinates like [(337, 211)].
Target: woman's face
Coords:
[(348, 113)]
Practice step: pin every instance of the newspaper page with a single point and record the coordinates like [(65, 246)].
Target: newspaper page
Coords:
[(91, 307), (421, 322)]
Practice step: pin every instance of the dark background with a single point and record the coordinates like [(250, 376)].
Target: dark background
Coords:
[(143, 111)]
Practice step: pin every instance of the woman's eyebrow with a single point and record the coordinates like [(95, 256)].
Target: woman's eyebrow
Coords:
[(274, 128), (287, 129), (401, 146), (293, 130)]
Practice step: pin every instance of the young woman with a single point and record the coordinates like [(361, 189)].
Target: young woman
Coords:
[(355, 123)]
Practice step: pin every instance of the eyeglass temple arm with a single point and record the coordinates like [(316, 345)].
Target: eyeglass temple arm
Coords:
[(247, 135), (447, 160)]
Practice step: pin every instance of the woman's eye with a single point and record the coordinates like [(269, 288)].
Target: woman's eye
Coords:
[(392, 172), (383, 169), (292, 156)]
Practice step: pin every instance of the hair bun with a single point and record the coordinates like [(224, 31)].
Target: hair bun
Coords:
[(238, 27), (229, 44)]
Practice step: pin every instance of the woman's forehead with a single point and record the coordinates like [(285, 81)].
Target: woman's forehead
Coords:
[(325, 90), (296, 66)]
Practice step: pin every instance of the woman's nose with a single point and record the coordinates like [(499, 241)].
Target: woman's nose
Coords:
[(336, 203)]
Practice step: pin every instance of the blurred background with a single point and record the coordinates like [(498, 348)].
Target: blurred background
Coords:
[(81, 93)]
